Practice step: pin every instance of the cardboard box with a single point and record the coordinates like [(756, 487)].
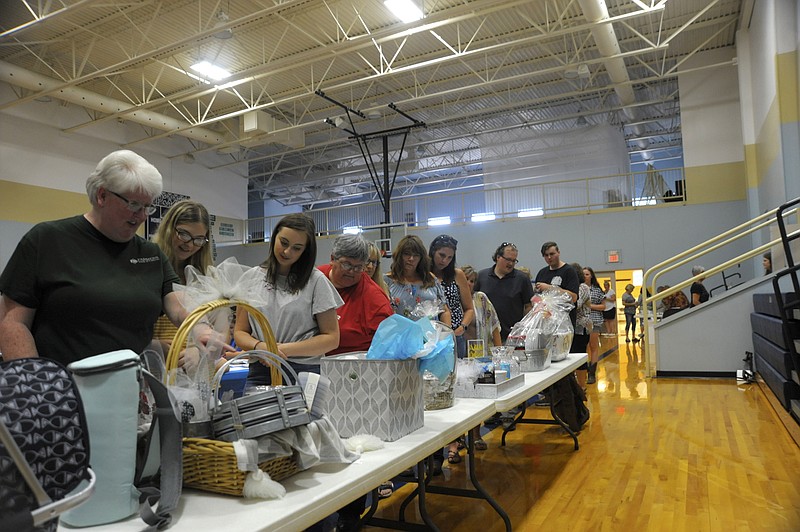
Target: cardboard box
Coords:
[(378, 397)]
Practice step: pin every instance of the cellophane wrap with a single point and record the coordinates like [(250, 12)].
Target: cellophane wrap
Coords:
[(190, 383), (546, 326), (229, 280)]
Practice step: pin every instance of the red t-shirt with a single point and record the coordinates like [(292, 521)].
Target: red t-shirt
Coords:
[(365, 307)]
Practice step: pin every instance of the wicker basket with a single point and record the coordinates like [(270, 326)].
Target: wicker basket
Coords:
[(199, 313), (211, 465)]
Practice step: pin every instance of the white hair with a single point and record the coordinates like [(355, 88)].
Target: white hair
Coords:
[(124, 171)]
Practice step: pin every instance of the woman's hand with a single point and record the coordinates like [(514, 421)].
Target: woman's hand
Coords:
[(280, 353), (189, 359)]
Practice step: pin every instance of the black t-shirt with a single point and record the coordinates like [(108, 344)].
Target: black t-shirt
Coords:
[(564, 277), (508, 295), (700, 290), (91, 295)]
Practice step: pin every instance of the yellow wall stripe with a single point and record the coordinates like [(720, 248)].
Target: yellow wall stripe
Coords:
[(716, 182), (33, 204)]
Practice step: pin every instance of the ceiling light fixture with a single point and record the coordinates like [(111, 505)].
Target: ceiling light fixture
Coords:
[(210, 70), (222, 19), (405, 10)]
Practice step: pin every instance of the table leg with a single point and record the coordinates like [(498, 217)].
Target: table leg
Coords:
[(419, 491), (555, 421)]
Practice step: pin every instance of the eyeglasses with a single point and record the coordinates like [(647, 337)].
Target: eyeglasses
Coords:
[(183, 236), (512, 261), (372, 262), (348, 267), (506, 244), (135, 206)]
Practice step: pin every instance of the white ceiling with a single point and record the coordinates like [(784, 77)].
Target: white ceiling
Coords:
[(468, 68)]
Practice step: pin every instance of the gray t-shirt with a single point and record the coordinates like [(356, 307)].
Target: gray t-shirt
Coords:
[(293, 316)]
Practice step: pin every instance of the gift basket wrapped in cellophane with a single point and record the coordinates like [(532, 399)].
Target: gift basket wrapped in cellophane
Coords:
[(543, 335), (243, 446)]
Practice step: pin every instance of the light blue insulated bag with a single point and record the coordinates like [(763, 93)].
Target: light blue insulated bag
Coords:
[(110, 385)]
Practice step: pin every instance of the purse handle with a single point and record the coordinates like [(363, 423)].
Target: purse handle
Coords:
[(275, 363), (199, 313)]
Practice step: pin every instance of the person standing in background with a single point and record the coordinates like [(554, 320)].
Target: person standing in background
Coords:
[(442, 253), (583, 325), (182, 236), (766, 261), (610, 310), (596, 297), (629, 302), (373, 267), (487, 324), (509, 290)]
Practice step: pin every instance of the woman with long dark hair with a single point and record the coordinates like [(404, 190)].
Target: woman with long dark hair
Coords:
[(301, 301), (596, 304), (442, 253), (583, 324)]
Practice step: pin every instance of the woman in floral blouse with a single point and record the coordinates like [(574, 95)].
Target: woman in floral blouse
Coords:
[(411, 282)]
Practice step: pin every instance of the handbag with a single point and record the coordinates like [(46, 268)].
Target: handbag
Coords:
[(45, 451)]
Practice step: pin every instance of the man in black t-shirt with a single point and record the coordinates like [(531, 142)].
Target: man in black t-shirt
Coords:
[(557, 274), (562, 276), (508, 289)]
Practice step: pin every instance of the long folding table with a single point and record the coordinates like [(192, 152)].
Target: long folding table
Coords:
[(320, 491)]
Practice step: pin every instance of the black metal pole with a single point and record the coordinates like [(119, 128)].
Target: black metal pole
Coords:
[(386, 232)]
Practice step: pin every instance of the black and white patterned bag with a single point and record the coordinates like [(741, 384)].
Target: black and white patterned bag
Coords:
[(42, 411)]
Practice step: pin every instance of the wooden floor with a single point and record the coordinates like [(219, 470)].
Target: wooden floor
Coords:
[(657, 454)]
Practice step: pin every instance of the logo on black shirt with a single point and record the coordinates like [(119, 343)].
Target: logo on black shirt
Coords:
[(143, 260)]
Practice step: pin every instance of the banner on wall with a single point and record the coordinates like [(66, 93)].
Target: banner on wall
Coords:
[(227, 230), (162, 204)]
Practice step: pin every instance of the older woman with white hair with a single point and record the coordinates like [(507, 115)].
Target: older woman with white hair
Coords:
[(88, 284), (698, 291)]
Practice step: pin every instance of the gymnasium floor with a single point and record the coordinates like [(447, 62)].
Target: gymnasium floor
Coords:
[(656, 454)]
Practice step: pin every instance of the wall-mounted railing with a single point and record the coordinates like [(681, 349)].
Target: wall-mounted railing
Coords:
[(497, 201), (693, 255)]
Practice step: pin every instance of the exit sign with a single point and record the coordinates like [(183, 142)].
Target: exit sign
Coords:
[(612, 256)]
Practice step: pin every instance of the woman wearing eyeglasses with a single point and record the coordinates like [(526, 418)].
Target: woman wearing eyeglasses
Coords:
[(88, 284), (183, 237), (300, 305), (411, 281)]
